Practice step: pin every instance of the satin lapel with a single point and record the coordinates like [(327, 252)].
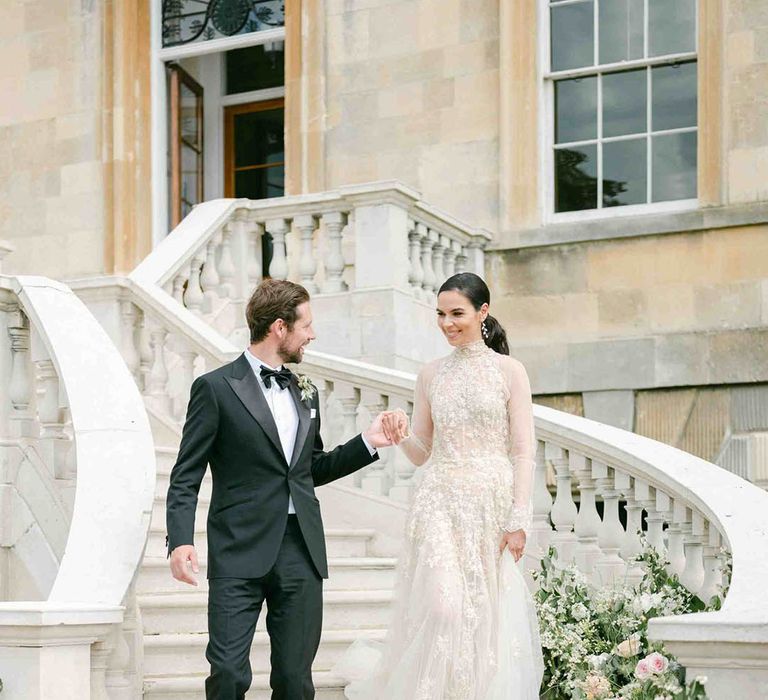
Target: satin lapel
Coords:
[(301, 433), (250, 394)]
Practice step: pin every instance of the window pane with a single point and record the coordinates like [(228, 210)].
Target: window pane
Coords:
[(575, 110), (573, 35), (625, 103), (255, 67), (576, 178), (673, 103), (259, 138), (189, 124), (624, 176), (189, 183), (674, 166), (671, 26), (621, 30), (260, 183)]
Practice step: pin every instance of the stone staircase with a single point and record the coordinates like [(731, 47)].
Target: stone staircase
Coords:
[(357, 602)]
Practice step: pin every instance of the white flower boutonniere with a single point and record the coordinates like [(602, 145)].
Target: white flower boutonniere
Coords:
[(306, 386)]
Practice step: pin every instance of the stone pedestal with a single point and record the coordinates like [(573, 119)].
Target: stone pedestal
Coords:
[(45, 649), (733, 656)]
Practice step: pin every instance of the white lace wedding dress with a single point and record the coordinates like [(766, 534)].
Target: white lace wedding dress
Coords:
[(464, 625)]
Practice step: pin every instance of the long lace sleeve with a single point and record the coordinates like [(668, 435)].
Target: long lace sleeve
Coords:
[(418, 446), (522, 445)]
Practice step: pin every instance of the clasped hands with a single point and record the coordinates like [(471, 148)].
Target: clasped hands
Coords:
[(388, 428)]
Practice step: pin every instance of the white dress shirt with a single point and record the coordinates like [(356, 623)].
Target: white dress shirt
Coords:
[(283, 410)]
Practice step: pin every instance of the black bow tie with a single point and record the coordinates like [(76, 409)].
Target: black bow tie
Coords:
[(281, 376)]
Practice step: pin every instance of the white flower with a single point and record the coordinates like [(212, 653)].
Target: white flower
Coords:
[(306, 386), (702, 680), (596, 686), (579, 611)]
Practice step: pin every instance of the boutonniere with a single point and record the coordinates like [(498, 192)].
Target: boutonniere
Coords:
[(306, 386)]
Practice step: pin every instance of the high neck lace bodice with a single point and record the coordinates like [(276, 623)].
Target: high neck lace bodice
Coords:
[(476, 348)]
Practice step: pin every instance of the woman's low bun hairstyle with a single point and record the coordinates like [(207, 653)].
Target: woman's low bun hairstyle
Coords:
[(476, 290)]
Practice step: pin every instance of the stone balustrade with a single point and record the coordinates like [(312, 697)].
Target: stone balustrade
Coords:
[(353, 249), (77, 478)]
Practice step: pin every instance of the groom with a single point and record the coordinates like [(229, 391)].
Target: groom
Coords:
[(258, 426)]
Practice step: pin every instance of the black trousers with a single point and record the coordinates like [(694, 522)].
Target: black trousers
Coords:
[(293, 591)]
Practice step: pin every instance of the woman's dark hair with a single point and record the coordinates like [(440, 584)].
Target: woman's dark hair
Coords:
[(271, 300), (472, 286)]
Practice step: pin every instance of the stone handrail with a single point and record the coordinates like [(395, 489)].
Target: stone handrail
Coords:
[(100, 442)]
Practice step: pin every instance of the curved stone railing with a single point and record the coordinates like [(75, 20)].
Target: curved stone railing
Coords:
[(72, 406)]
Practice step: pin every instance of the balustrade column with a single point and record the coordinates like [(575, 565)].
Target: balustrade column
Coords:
[(209, 277), (630, 544), (323, 391), (415, 270), (179, 283), (255, 267), (194, 297), (541, 528), (145, 352), (227, 269), (278, 229), (712, 575), (375, 479), (564, 509), (588, 521), (128, 331), (658, 510), (610, 566), (461, 259), (333, 223), (427, 242), (306, 225), (476, 256), (438, 251), (676, 537), (158, 375), (693, 573), (452, 250)]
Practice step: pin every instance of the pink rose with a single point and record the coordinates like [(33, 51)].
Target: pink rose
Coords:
[(657, 663), (642, 670)]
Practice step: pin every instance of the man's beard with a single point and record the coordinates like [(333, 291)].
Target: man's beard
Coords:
[(289, 356)]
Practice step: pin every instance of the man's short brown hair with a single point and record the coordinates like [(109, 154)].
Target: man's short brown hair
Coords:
[(273, 299)]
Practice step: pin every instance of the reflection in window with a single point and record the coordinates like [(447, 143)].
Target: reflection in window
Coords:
[(623, 134)]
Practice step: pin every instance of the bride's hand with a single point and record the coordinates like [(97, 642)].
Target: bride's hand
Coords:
[(515, 542), (396, 425)]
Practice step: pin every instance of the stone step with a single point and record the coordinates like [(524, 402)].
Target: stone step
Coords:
[(162, 481), (345, 573), (339, 542), (186, 612), (184, 654), (193, 687)]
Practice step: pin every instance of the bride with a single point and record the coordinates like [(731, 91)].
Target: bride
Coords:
[(464, 623)]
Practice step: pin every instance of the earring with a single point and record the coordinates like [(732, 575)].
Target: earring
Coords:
[(484, 329)]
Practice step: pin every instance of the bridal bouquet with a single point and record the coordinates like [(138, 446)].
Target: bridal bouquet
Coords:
[(595, 640)]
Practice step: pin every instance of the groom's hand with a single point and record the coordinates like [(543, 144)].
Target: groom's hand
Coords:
[(182, 558)]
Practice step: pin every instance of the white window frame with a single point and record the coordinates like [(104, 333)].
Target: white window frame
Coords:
[(159, 105), (547, 79)]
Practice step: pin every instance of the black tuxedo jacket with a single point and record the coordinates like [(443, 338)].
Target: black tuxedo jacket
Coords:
[(229, 426)]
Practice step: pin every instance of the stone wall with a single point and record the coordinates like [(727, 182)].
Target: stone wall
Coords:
[(52, 197), (412, 94), (648, 312)]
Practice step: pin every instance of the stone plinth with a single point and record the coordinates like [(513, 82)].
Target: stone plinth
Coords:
[(45, 648)]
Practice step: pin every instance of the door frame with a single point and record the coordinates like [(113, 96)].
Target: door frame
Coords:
[(229, 142)]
